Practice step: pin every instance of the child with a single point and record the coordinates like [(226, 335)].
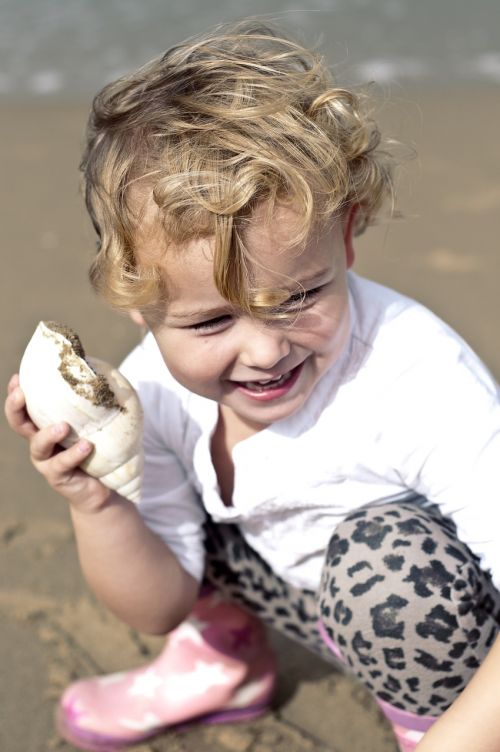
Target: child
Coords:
[(321, 452)]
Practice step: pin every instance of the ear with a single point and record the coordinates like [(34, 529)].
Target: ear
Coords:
[(348, 231), (137, 317)]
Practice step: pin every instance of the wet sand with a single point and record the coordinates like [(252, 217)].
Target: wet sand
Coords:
[(444, 252)]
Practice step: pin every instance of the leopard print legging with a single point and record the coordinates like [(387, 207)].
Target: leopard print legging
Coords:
[(404, 600)]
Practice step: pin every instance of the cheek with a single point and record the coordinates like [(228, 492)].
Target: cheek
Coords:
[(195, 378), (189, 369), (328, 328), (192, 363)]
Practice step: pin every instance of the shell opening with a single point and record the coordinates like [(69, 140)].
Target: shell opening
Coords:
[(78, 372)]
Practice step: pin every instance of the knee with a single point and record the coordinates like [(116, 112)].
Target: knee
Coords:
[(377, 557), (398, 587), (398, 559)]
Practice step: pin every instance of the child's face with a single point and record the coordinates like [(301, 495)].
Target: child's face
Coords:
[(259, 371)]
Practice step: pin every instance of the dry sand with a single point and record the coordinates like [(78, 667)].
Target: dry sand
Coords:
[(445, 253)]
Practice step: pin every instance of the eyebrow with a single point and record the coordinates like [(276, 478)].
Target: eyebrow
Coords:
[(208, 313), (224, 310)]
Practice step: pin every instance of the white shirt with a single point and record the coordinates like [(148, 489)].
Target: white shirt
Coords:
[(407, 408)]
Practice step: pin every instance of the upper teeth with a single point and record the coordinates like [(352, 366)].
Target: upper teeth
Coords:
[(268, 381)]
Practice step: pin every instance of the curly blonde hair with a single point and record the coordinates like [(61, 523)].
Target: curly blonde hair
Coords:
[(219, 124)]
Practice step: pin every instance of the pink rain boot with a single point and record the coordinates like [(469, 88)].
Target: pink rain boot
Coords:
[(407, 738), (408, 728), (216, 667)]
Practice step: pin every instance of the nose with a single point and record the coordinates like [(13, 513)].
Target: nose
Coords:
[(263, 344)]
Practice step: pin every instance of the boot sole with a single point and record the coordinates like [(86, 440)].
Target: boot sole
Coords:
[(99, 743)]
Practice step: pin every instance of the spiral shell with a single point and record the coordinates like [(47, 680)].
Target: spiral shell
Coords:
[(61, 383)]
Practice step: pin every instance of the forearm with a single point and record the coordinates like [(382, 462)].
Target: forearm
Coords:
[(130, 569), (473, 721)]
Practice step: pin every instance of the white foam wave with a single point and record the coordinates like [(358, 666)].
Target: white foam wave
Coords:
[(387, 70), (486, 66), (46, 82)]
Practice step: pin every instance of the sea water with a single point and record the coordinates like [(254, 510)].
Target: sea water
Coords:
[(70, 48)]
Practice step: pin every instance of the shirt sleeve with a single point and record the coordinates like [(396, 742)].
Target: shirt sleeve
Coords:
[(169, 505), (452, 438)]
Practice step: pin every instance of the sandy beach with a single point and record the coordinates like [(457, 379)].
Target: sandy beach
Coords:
[(444, 252)]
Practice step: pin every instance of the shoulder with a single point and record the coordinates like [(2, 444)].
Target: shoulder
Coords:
[(407, 343), (145, 368), (383, 315), (166, 404), (145, 365)]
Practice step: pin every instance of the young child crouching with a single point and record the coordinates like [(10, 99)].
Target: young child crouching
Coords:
[(321, 452)]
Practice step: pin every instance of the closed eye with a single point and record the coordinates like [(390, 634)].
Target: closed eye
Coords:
[(294, 303), (299, 299), (211, 324)]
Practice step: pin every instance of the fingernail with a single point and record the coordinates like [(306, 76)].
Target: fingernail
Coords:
[(57, 429), (84, 446)]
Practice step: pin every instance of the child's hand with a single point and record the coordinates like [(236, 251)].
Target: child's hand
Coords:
[(59, 467)]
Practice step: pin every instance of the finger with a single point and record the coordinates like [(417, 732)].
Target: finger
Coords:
[(13, 383), (44, 442), (85, 494), (16, 414), (64, 475), (64, 466)]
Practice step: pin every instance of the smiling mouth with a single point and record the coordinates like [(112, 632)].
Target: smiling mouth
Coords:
[(264, 385)]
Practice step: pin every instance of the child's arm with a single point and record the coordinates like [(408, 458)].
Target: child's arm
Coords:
[(129, 568), (473, 721)]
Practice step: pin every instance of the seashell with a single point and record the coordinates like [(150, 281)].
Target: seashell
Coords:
[(61, 383)]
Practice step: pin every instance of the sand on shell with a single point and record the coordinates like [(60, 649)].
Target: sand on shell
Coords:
[(77, 371)]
